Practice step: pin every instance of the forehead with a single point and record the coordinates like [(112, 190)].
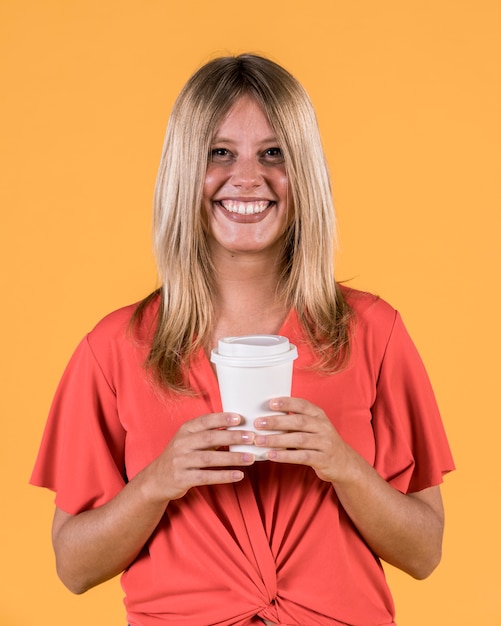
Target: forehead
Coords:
[(244, 115)]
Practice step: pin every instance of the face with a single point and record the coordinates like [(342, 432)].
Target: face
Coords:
[(246, 191)]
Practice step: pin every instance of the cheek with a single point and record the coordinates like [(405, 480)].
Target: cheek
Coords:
[(282, 185), (213, 180), (208, 186)]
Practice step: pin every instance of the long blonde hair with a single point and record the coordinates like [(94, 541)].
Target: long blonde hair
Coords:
[(180, 236)]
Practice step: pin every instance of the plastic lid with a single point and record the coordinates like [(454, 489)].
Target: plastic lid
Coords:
[(253, 345), (254, 350)]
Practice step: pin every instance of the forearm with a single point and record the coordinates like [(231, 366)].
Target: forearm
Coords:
[(98, 544), (404, 530)]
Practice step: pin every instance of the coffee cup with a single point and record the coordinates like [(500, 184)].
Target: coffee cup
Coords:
[(251, 370)]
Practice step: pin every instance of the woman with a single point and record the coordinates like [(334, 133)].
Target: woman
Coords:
[(136, 446)]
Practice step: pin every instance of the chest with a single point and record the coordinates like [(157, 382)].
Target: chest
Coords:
[(151, 417)]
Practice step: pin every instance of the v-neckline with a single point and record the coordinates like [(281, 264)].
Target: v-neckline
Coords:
[(210, 374), (281, 331)]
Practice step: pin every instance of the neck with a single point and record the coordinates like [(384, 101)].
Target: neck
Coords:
[(243, 271), (246, 300)]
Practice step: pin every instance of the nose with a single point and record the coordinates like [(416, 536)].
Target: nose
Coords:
[(247, 173)]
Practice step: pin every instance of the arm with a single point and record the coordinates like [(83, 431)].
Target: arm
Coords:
[(403, 529), (98, 544)]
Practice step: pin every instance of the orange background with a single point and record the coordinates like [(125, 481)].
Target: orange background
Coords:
[(408, 99)]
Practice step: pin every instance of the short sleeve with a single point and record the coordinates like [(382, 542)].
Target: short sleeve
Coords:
[(81, 456), (412, 451)]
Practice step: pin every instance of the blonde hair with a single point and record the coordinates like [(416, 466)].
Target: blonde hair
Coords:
[(180, 242)]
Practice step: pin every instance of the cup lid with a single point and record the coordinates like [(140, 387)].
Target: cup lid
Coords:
[(254, 350), (253, 345)]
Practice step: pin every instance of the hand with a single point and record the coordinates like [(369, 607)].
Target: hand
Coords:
[(97, 544), (309, 438), (403, 529), (189, 458)]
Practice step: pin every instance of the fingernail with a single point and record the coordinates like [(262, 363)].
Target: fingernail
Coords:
[(247, 437), (276, 404), (233, 418), (261, 422), (247, 458), (237, 475)]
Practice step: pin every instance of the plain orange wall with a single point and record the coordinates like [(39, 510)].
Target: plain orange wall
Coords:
[(408, 99)]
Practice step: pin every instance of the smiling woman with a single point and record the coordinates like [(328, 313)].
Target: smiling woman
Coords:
[(266, 99), (138, 448)]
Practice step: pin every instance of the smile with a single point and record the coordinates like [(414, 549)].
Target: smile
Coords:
[(245, 208)]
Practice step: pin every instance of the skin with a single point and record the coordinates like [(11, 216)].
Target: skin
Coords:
[(404, 530)]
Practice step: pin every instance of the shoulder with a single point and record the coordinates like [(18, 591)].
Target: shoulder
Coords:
[(380, 330), (373, 324), (369, 309), (125, 325)]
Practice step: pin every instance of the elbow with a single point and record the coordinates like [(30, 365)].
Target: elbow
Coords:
[(77, 575), (69, 566), (73, 586), (72, 574), (73, 583), (424, 567)]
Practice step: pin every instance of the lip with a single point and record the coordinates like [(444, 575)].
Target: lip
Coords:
[(244, 218)]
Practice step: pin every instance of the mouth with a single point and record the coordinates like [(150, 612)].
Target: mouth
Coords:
[(240, 207)]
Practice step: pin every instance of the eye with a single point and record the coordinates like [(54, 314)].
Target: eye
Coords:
[(273, 155), (220, 155)]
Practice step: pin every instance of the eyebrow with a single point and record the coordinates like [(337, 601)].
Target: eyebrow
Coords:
[(217, 139)]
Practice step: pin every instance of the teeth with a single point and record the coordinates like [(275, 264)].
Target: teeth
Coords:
[(245, 208)]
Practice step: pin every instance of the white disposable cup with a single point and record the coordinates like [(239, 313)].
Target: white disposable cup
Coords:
[(251, 370)]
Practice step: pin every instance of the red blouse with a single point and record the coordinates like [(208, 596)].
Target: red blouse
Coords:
[(278, 544)]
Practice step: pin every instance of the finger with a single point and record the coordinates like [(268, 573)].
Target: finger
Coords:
[(289, 422), (210, 439), (207, 459), (202, 477), (211, 421), (176, 474), (293, 440), (295, 457), (295, 405)]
